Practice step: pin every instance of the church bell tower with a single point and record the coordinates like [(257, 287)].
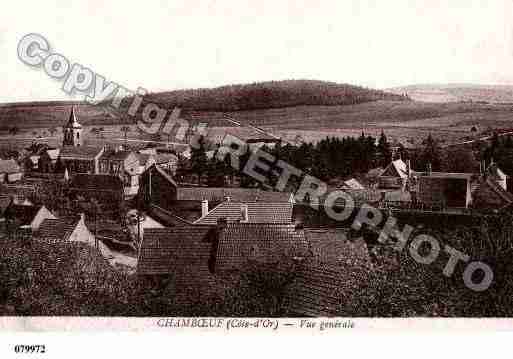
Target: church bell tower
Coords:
[(72, 131)]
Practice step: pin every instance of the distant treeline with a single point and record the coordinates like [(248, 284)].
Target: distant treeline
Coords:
[(273, 94)]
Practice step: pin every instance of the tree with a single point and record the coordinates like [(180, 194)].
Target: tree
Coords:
[(458, 160), (431, 154), (199, 159), (384, 152)]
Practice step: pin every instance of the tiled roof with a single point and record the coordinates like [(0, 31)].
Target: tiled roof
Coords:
[(336, 267), (399, 167), (258, 212), (81, 152), (116, 155), (164, 158), (319, 289), (96, 182), (332, 246), (240, 243), (9, 166), (219, 194), (167, 250), (315, 292), (56, 230), (167, 217), (448, 175)]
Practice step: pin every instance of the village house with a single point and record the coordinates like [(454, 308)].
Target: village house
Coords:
[(202, 250), (74, 156), (80, 159), (394, 176), (125, 165), (158, 188), (403, 187), (10, 171)]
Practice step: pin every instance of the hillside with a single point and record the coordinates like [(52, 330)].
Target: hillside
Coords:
[(233, 98), (274, 94), (457, 93)]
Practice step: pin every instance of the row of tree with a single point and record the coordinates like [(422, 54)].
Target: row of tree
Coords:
[(333, 158)]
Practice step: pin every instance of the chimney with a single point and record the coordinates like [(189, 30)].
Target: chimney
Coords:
[(204, 208), (429, 169), (244, 213)]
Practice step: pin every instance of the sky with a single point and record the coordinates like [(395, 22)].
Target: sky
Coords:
[(167, 45)]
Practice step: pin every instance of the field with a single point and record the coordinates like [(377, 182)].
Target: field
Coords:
[(405, 121)]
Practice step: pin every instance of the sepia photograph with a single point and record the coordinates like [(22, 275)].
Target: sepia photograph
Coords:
[(244, 166)]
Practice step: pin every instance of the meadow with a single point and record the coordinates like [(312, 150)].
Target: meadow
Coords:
[(408, 122)]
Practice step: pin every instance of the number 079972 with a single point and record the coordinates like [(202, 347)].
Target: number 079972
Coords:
[(29, 349)]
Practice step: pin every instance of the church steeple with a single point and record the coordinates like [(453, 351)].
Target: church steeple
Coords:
[(72, 131)]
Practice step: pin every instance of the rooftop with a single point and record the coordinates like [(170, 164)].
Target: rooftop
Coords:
[(81, 152), (57, 230), (219, 194), (98, 182), (257, 212), (263, 243), (166, 250)]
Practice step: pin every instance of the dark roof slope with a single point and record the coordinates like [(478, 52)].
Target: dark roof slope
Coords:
[(117, 155), (315, 292), (219, 194), (81, 152), (258, 212), (167, 250), (336, 268), (56, 230), (102, 182), (263, 243)]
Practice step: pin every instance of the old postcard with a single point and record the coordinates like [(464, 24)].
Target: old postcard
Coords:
[(247, 167)]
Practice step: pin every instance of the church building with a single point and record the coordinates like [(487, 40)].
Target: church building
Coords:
[(74, 156)]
